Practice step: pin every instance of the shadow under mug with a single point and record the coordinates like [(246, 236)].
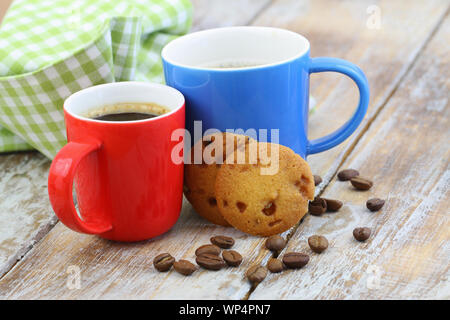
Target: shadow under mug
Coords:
[(127, 186), (254, 78)]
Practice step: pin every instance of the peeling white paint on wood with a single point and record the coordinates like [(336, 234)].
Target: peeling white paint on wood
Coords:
[(25, 212), (408, 254), (121, 270)]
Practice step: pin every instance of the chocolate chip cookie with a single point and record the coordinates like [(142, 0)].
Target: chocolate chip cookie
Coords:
[(267, 193), (200, 177)]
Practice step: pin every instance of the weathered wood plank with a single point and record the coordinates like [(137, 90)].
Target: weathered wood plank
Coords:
[(121, 270), (24, 176), (4, 5), (25, 212), (406, 154), (220, 13)]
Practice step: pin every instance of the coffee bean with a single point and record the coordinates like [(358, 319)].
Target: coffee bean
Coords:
[(222, 241), (317, 180), (232, 258), (333, 205), (163, 262), (317, 243), (275, 243), (208, 248), (374, 204), (295, 260), (184, 267), (256, 274), (275, 265), (210, 261), (347, 174), (317, 207), (361, 234), (361, 183)]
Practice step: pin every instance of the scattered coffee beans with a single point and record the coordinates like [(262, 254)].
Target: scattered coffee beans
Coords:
[(184, 267), (275, 243), (347, 174), (374, 204), (361, 234), (232, 258), (317, 207), (210, 261), (275, 265), (361, 183), (222, 241), (333, 205), (295, 260), (317, 180), (317, 243), (163, 262), (256, 274), (208, 248)]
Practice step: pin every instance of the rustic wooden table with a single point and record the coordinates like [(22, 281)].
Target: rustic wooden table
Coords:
[(403, 145)]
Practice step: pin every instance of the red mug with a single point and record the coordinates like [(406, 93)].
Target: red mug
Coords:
[(128, 187)]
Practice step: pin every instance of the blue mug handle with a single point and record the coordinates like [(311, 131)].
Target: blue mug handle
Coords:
[(322, 64)]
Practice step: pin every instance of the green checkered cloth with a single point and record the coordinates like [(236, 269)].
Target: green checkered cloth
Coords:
[(50, 49)]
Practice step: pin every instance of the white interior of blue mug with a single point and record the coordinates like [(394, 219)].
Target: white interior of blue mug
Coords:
[(82, 102), (235, 47)]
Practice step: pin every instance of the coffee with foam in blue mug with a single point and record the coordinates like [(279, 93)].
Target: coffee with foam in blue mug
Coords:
[(255, 79)]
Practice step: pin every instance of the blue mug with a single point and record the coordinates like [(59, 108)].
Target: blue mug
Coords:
[(254, 78)]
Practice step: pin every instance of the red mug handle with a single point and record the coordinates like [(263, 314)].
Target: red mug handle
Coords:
[(60, 185)]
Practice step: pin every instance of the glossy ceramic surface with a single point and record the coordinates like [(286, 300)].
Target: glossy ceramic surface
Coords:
[(127, 186), (265, 86)]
